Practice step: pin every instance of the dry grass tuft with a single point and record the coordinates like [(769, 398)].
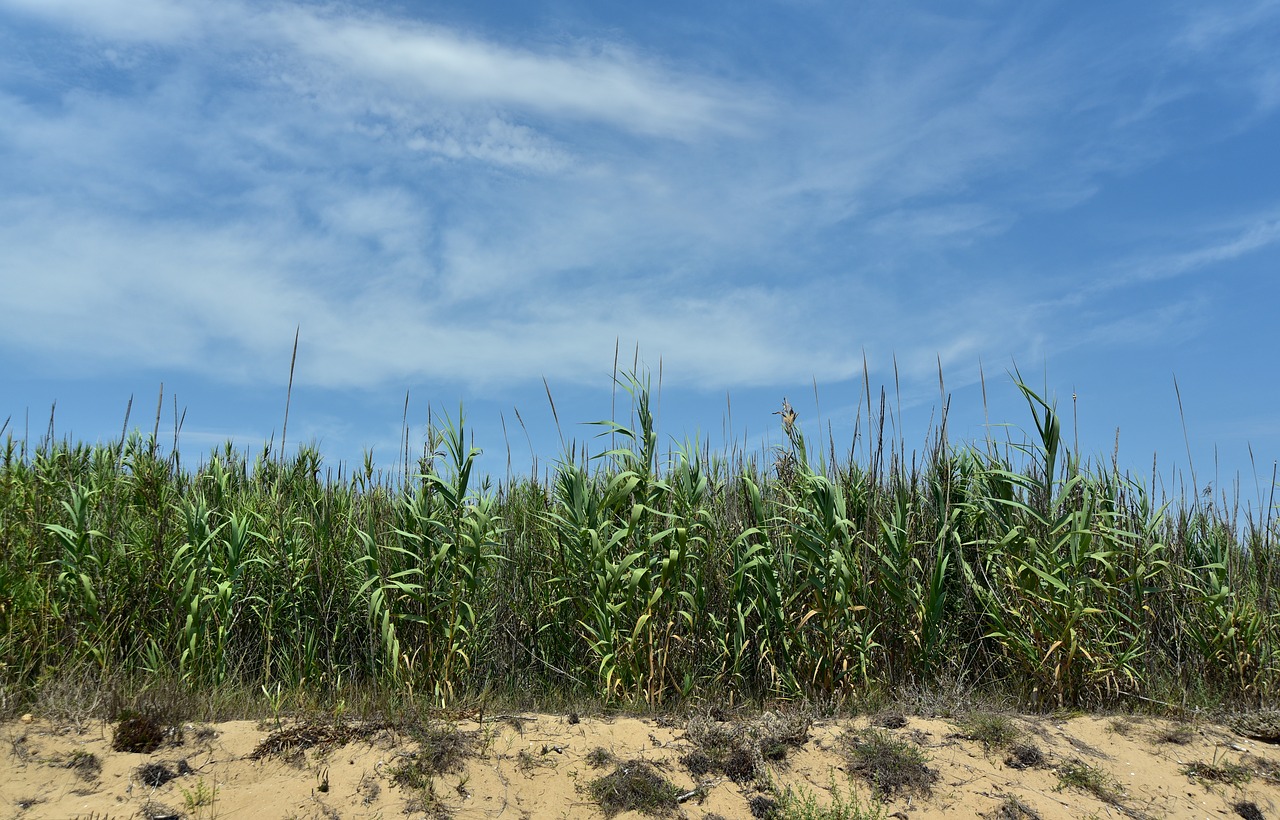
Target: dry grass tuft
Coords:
[(634, 785), (890, 765), (741, 750), (142, 734)]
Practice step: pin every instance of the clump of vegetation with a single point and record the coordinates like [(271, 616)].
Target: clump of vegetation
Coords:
[(527, 761), (368, 789), (992, 730), (890, 765), (204, 734), (599, 757), (290, 741), (153, 810), (890, 720), (634, 785), (1012, 808), (1232, 774), (721, 748), (1179, 734), (155, 774), (142, 734), (85, 764), (1077, 774), (802, 804), (1024, 756), (1259, 724), (441, 750), (426, 802), (1248, 810), (1262, 767), (741, 750), (1122, 726)]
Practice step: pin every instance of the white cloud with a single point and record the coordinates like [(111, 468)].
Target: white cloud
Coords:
[(1238, 42), (348, 52), (1257, 233), (1208, 26), (964, 222), (429, 203), (605, 84), (495, 142), (133, 20)]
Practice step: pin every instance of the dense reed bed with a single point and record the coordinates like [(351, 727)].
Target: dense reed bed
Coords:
[(636, 576)]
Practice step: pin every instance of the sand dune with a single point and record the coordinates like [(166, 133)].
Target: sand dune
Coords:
[(545, 765)]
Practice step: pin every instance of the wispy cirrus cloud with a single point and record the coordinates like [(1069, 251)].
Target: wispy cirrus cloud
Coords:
[(1208, 246), (601, 83), (160, 21), (327, 50), (1241, 41), (434, 202)]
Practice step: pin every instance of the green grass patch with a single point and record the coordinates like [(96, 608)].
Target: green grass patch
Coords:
[(799, 803), (993, 730), (1076, 774), (1230, 774)]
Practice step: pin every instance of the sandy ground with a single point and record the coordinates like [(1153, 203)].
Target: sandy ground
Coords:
[(541, 765)]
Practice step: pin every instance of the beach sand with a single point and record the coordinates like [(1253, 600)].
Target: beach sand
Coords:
[(543, 765)]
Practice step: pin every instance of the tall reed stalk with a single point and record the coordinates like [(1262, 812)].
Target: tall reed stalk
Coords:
[(633, 577)]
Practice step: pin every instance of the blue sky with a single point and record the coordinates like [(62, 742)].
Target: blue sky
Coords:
[(459, 201)]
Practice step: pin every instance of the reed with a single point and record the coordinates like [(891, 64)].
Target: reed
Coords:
[(632, 577)]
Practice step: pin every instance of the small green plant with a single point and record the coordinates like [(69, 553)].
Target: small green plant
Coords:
[(275, 699), (201, 799), (798, 803)]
